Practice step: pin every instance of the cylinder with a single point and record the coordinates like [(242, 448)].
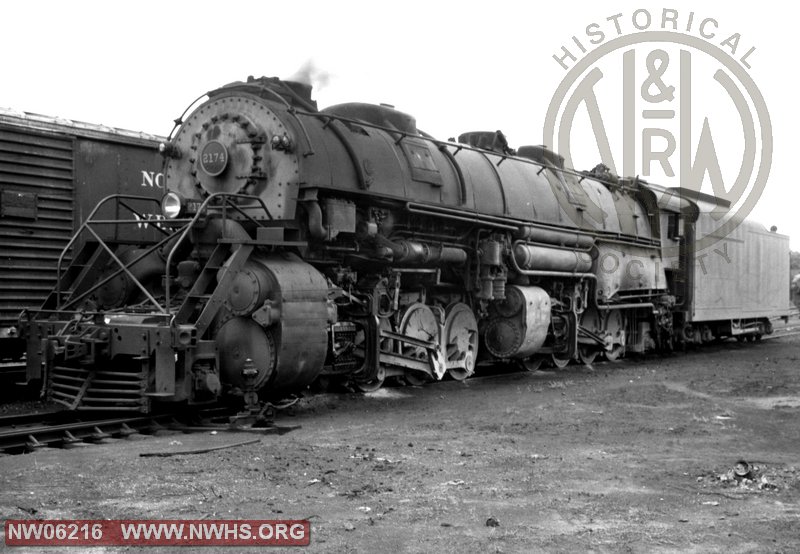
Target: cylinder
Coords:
[(551, 259), (512, 304), (241, 339), (248, 289), (520, 326)]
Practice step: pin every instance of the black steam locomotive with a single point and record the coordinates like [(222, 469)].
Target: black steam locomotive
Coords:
[(302, 244)]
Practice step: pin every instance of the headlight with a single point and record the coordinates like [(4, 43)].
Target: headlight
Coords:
[(172, 205)]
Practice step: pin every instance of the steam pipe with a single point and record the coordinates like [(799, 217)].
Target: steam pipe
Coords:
[(554, 236), (547, 273), (351, 153), (623, 306), (592, 276), (414, 252), (462, 185), (315, 227), (547, 258)]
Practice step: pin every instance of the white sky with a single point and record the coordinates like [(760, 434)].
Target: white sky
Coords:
[(455, 66)]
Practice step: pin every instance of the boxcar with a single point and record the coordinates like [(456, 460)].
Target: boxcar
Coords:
[(52, 174)]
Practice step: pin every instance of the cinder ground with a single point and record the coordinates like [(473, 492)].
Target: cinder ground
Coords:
[(628, 457)]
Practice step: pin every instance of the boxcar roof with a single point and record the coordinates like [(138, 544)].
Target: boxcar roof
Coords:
[(61, 126)]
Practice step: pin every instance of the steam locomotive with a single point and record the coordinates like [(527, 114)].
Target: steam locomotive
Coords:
[(300, 244)]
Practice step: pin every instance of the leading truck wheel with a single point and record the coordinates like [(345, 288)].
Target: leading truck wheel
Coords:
[(368, 386)]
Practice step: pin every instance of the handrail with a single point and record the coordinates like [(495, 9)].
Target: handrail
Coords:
[(200, 210), (157, 227), (188, 225), (291, 110), (85, 225), (513, 224), (469, 217), (130, 264), (126, 270)]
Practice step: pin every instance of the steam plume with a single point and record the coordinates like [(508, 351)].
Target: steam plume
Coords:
[(312, 75)]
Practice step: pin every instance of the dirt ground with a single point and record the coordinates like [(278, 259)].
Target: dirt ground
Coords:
[(637, 456)]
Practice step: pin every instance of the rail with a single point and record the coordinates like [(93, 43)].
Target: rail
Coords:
[(29, 432)]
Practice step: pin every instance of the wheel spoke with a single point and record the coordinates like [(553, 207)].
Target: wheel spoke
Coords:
[(461, 338)]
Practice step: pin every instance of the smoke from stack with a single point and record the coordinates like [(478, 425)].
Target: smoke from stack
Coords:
[(310, 74)]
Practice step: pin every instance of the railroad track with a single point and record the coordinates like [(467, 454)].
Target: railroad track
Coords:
[(788, 327), (782, 333), (28, 432)]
